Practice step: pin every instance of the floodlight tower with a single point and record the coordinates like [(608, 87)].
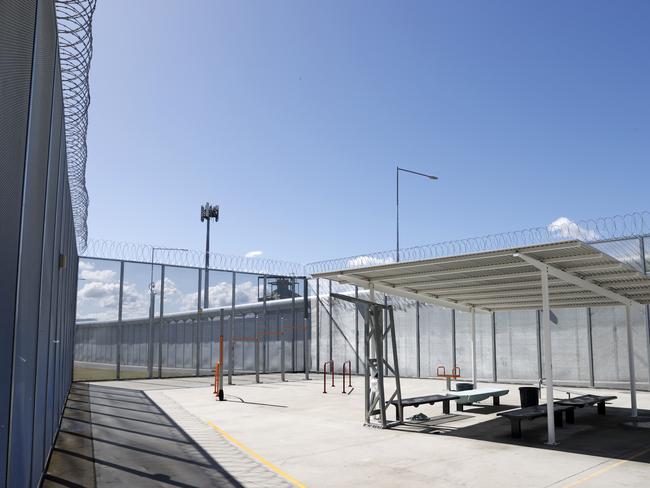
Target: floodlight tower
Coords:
[(208, 212)]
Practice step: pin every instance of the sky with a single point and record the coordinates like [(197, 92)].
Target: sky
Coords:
[(292, 117)]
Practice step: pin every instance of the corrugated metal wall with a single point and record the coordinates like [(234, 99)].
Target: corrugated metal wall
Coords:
[(37, 285)]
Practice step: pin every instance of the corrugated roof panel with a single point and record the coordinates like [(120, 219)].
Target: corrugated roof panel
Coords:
[(502, 279)]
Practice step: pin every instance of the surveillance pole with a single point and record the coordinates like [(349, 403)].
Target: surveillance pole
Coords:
[(207, 212)]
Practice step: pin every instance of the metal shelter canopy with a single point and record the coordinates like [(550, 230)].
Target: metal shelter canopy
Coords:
[(504, 279), (567, 274)]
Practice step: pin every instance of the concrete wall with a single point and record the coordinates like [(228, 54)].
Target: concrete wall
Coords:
[(38, 260)]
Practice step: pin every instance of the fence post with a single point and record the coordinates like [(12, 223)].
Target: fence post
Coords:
[(265, 335), (329, 301), (231, 342), (281, 334), (317, 324), (644, 267), (119, 321), (197, 330), (356, 328), (306, 344), (221, 336), (257, 351), (160, 327), (417, 336), (293, 324)]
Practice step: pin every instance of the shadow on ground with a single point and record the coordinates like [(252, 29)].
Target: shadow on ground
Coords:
[(119, 437), (612, 435)]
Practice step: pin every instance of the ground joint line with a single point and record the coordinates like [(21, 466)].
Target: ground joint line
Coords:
[(606, 469), (256, 456)]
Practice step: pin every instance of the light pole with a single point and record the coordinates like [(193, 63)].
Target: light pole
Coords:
[(431, 177), (208, 212), (152, 302)]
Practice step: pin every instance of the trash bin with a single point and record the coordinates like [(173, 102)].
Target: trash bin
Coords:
[(464, 386), (529, 396)]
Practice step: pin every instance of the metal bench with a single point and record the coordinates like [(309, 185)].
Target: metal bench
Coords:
[(530, 413), (468, 397), (587, 401), (424, 400)]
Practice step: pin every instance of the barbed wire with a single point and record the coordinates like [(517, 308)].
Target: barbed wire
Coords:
[(129, 251), (590, 230), (74, 21)]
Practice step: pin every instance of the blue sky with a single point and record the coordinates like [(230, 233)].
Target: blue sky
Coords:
[(291, 115)]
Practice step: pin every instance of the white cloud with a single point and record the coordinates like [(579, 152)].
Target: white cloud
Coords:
[(98, 296), (360, 261), (101, 275), (568, 229), (253, 254)]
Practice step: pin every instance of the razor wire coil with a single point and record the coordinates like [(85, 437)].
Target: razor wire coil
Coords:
[(590, 231), (74, 23), (129, 251)]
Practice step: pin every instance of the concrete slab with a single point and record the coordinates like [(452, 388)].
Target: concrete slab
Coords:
[(112, 436), (314, 439)]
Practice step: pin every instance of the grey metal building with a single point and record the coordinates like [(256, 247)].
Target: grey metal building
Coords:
[(38, 262)]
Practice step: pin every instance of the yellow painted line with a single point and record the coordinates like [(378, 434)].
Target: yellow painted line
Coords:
[(256, 456), (606, 469)]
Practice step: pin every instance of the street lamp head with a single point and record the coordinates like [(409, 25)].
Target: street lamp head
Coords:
[(431, 177), (209, 212)]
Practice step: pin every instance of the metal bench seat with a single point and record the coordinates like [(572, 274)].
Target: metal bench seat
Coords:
[(424, 400), (536, 411)]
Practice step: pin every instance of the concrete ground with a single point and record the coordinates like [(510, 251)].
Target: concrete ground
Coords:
[(290, 433)]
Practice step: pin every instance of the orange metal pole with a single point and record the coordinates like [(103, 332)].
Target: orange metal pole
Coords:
[(216, 378)]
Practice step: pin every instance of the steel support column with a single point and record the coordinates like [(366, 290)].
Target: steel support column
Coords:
[(453, 338), (493, 317), (376, 399), (548, 361), (630, 358), (473, 332), (385, 325), (590, 348)]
